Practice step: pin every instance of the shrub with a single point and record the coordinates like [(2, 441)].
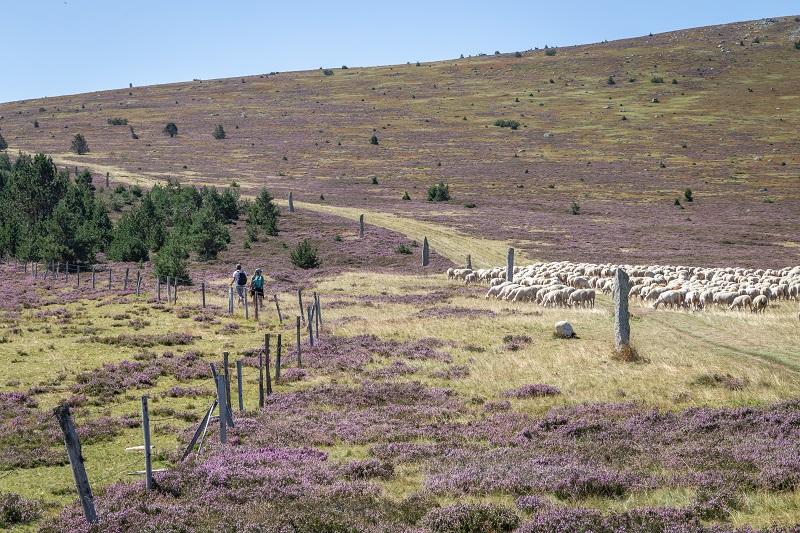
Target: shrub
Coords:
[(3, 143), (550, 52), (374, 180), (35, 123), (264, 213), (79, 144), (688, 195), (344, 67), (439, 192), (337, 238), (678, 202), (575, 208), (328, 72), (406, 196), (171, 260), (470, 205), (471, 518), (305, 256), (219, 132), (403, 249), (797, 45), (503, 123), (517, 54), (14, 509), (674, 81), (611, 81), (657, 79), (171, 129), (118, 121), (374, 140)]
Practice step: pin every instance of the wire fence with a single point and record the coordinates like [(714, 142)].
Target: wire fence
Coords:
[(215, 297)]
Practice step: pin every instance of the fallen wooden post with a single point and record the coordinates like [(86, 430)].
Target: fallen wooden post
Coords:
[(200, 429)]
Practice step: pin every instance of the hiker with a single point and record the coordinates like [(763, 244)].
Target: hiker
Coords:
[(240, 279), (257, 288)]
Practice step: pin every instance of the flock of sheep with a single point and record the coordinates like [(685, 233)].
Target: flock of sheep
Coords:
[(566, 284)]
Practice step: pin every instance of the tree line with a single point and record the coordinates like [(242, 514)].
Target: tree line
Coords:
[(46, 216)]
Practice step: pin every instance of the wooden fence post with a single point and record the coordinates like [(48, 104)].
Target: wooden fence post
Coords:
[(125, 283), (78, 273), (175, 294), (148, 464), (278, 308), (138, 282), (361, 226), (169, 291), (261, 379), (227, 374), (230, 301), (94, 275), (214, 375), (278, 359), (469, 261), (246, 313), (299, 362), (300, 303), (223, 410), (66, 271), (267, 364), (291, 202), (255, 306), (310, 312), (73, 446), (239, 384), (158, 289), (510, 265), (201, 429), (203, 293), (109, 277), (426, 252)]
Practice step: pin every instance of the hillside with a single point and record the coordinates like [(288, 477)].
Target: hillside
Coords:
[(726, 128)]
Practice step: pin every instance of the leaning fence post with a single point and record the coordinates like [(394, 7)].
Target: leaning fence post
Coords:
[(278, 308), (223, 410), (148, 464), (310, 312), (361, 226), (239, 384), (73, 446), (426, 252), (299, 363), (203, 293), (278, 360)]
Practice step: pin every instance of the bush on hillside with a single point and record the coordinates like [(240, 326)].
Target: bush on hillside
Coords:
[(374, 140), (118, 121), (439, 192), (171, 129), (3, 143), (550, 51), (171, 260), (503, 123), (305, 255), (219, 132), (575, 208), (79, 144), (657, 79)]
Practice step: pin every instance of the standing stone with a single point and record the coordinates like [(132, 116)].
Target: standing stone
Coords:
[(622, 326), (361, 226), (510, 265), (469, 261), (291, 203), (426, 252)]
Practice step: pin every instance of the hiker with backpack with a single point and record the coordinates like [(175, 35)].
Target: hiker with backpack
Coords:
[(257, 288), (240, 280)]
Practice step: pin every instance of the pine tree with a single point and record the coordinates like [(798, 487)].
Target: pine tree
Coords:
[(264, 213), (171, 260), (219, 132), (171, 129), (209, 236), (79, 144), (3, 143)]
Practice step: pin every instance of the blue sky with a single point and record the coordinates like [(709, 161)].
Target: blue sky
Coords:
[(54, 47)]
